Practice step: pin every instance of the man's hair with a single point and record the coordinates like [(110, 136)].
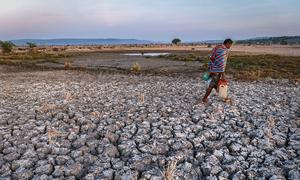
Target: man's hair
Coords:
[(228, 41)]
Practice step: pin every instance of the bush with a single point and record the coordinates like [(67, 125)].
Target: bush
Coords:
[(6, 46), (136, 68), (56, 49), (67, 65)]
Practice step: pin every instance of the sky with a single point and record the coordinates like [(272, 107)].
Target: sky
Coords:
[(158, 20)]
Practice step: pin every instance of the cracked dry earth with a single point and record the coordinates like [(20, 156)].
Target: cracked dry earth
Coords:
[(75, 125)]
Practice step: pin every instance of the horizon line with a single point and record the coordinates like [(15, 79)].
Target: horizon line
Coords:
[(111, 38)]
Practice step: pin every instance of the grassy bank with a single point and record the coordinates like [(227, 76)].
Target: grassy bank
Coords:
[(30, 58), (250, 67), (240, 66), (254, 67), (182, 57)]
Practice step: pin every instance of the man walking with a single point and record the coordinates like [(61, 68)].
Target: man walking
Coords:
[(216, 66)]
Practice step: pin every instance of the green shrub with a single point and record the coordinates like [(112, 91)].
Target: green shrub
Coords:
[(31, 45), (6, 46)]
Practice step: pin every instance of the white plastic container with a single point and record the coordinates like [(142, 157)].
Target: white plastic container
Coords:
[(223, 90)]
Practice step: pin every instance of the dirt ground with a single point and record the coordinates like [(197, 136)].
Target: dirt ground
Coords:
[(80, 125), (58, 124), (120, 61)]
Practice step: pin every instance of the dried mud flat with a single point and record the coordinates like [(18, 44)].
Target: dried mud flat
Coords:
[(75, 125)]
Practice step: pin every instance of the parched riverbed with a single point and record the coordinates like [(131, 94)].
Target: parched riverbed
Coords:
[(76, 125)]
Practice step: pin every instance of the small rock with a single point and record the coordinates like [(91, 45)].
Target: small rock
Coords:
[(46, 169), (23, 173), (294, 174), (23, 163), (239, 176), (111, 151), (74, 170), (58, 171)]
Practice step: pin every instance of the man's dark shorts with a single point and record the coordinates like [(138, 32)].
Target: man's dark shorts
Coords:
[(215, 77)]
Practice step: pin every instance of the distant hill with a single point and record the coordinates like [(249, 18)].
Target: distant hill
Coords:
[(61, 42), (204, 42), (283, 40), (257, 40), (213, 41)]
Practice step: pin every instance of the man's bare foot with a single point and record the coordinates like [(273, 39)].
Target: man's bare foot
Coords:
[(200, 101), (205, 101)]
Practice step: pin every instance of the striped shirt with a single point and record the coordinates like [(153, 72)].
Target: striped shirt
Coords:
[(218, 59)]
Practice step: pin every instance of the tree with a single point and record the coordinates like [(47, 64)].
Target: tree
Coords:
[(31, 46), (6, 46), (176, 41)]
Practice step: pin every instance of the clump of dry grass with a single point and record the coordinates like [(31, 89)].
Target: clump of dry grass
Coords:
[(96, 114), (67, 65), (142, 97), (268, 133), (53, 133), (136, 68), (68, 97), (271, 122), (170, 170), (268, 130), (48, 107)]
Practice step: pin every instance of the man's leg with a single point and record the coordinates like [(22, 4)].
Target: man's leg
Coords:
[(216, 83), (216, 88), (213, 85), (208, 91)]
